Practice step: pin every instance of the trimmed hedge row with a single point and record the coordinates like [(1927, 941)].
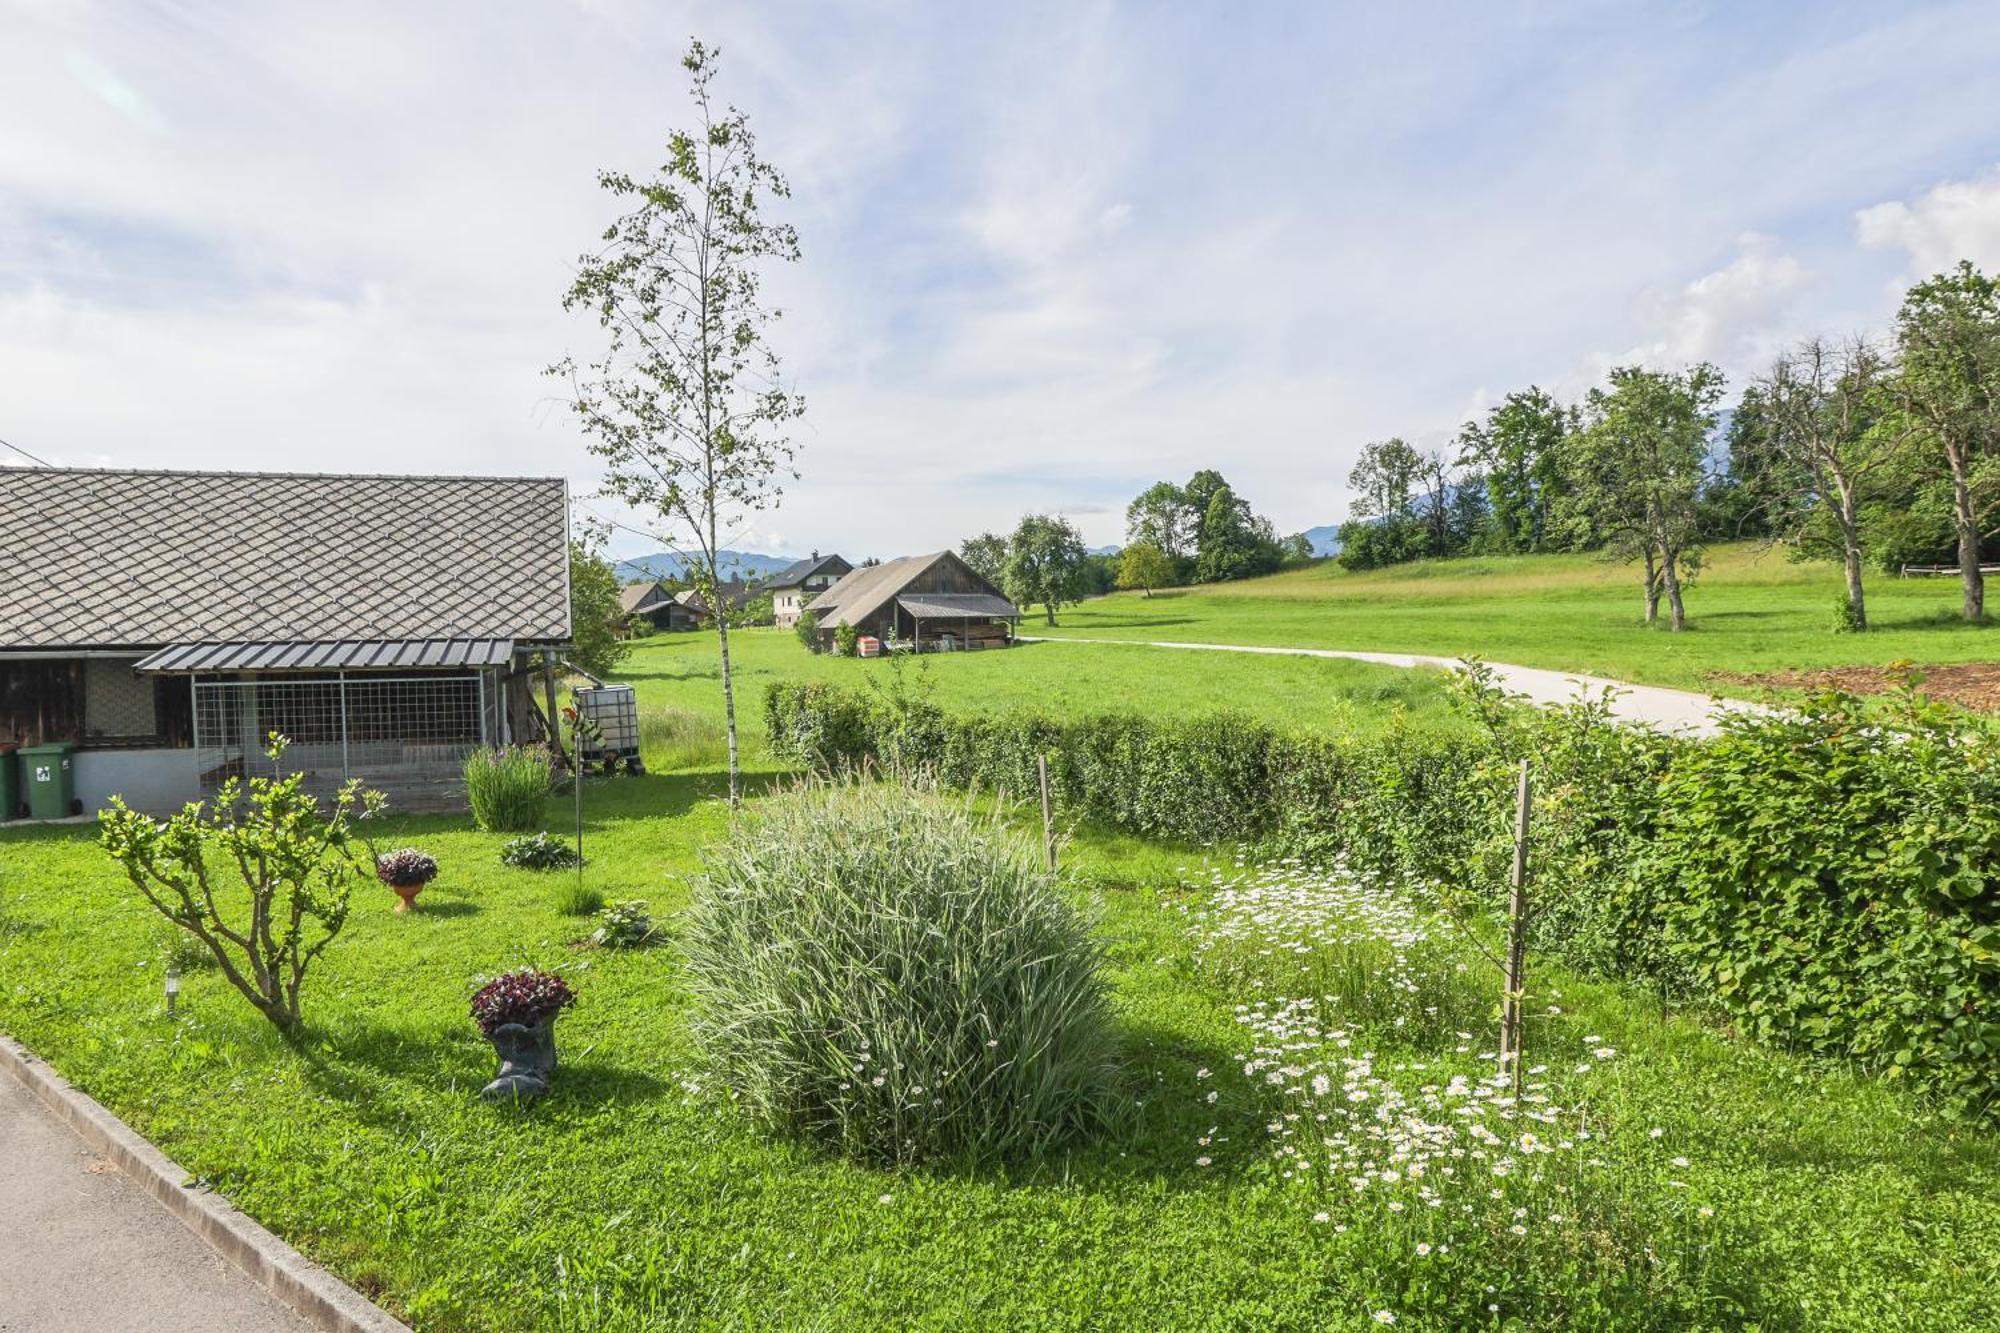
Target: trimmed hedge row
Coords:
[(1828, 877)]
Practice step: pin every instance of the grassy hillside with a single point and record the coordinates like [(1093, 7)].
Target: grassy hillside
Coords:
[(679, 671), (1751, 610)]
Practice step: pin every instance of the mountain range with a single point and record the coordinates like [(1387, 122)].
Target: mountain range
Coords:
[(738, 566)]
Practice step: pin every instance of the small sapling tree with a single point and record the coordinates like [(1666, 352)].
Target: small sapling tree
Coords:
[(685, 405), (296, 863)]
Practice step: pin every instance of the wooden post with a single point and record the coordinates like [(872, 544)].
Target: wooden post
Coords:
[(576, 778), (1517, 940), (1048, 812)]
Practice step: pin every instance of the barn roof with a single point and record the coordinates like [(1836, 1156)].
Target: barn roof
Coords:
[(792, 575), (943, 605), (148, 558), (861, 593), (635, 597)]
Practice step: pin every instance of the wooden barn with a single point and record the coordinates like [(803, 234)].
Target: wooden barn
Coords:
[(919, 603)]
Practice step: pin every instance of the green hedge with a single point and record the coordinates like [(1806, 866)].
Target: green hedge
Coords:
[(1828, 877)]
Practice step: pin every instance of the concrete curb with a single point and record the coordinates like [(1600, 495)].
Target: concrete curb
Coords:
[(321, 1298)]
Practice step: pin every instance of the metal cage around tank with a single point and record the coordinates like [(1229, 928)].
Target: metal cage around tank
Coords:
[(407, 735)]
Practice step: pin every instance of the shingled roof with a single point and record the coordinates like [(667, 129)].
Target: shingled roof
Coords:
[(138, 559), (796, 573)]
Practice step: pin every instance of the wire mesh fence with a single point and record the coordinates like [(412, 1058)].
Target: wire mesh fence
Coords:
[(402, 734)]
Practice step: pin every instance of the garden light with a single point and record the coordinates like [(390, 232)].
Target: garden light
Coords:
[(173, 988)]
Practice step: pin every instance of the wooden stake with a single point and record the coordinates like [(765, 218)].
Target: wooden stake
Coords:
[(1517, 940), (1048, 812)]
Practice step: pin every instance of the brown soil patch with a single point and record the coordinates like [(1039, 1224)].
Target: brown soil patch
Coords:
[(1968, 684)]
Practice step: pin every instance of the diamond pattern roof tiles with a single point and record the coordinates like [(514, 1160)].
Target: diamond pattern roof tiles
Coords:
[(145, 558)]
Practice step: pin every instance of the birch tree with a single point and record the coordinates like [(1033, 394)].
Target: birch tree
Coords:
[(686, 405)]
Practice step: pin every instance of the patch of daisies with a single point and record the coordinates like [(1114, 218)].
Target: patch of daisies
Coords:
[(1357, 1008)]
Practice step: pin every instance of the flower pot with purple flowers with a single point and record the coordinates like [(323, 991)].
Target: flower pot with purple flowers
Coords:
[(406, 870), (517, 1012)]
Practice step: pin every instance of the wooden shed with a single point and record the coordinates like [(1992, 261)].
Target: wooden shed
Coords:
[(919, 603)]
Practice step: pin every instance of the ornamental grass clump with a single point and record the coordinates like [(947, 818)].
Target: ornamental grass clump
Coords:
[(881, 971), (508, 789)]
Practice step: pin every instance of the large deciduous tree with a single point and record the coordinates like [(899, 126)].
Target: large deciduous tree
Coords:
[(1948, 343), (686, 405), (1520, 448), (1045, 563), (1158, 516), (1638, 469), (1822, 407)]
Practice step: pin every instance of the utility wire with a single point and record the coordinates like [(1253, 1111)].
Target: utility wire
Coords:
[(25, 454)]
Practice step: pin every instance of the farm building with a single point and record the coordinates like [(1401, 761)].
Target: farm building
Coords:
[(657, 605), (797, 585), (733, 596), (919, 602), (163, 623)]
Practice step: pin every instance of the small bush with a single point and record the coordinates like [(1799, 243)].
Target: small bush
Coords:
[(539, 851), (672, 738), (806, 629), (846, 640), (508, 789), (574, 899), (623, 926), (877, 970), (1845, 621)]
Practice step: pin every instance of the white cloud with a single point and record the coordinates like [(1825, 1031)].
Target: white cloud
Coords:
[(1953, 220), (1736, 316)]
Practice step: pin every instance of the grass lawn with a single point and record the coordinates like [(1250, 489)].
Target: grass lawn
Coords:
[(634, 1197), (680, 671), (1751, 610)]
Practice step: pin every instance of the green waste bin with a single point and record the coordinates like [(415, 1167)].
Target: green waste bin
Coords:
[(49, 779), (10, 784)]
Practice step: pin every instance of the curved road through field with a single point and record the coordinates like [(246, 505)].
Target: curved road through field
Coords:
[(1670, 710)]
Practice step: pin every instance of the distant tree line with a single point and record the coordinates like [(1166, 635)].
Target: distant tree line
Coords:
[(1862, 450), (1203, 532)]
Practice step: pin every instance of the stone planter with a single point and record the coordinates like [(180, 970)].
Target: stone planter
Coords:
[(527, 1060), (406, 895)]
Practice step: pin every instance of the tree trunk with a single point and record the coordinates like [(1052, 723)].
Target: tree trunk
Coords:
[(728, 704), (1671, 578), (1850, 555), (1967, 522), (1652, 588)]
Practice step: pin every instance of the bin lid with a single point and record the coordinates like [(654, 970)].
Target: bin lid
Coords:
[(49, 747)]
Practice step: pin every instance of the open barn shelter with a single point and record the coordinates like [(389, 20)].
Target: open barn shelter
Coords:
[(165, 623), (920, 603)]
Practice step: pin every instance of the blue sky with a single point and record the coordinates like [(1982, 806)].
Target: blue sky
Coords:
[(1053, 252)]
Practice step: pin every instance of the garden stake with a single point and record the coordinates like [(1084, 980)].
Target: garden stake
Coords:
[(1517, 940), (1048, 812)]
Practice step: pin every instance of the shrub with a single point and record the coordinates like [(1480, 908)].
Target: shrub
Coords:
[(623, 926), (405, 866), (508, 789), (526, 997), (539, 851), (576, 899), (806, 629), (878, 970), (1828, 875), (297, 866), (846, 640), (673, 738)]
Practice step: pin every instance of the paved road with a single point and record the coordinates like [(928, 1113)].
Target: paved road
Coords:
[(1671, 710), (84, 1250)]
